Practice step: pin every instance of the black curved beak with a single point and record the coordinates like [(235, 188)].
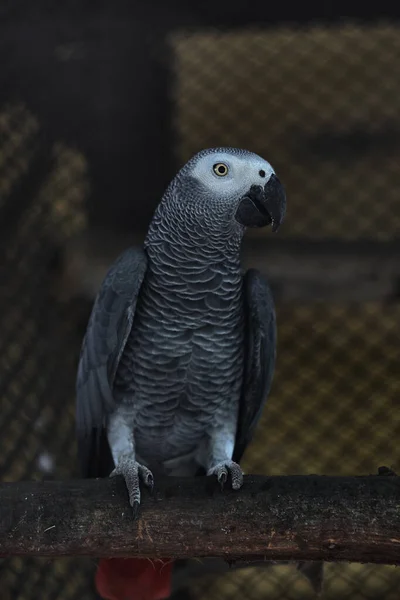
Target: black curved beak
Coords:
[(263, 206)]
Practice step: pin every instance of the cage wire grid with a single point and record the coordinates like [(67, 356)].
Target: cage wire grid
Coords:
[(310, 100)]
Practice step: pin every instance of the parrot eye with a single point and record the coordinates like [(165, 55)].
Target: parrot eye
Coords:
[(220, 169)]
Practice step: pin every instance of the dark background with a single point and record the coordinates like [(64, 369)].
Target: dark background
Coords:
[(100, 103)]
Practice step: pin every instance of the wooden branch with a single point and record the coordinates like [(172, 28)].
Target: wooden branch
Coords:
[(270, 518), (307, 271), (300, 271)]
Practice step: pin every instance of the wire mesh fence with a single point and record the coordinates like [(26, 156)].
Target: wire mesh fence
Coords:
[(322, 104)]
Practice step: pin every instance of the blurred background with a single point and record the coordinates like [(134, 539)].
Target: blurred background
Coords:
[(100, 104)]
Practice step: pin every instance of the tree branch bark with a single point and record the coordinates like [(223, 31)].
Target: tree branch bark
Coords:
[(299, 271), (270, 518)]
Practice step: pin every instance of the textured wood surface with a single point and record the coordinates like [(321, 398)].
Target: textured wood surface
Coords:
[(272, 518)]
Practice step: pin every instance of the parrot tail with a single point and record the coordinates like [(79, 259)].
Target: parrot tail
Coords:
[(134, 579)]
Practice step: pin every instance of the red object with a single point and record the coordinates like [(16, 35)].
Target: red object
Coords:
[(134, 579)]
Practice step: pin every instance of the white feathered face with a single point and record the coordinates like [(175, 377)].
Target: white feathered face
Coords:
[(230, 174), (243, 178)]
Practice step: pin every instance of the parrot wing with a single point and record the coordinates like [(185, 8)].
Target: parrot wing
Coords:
[(108, 329), (260, 353)]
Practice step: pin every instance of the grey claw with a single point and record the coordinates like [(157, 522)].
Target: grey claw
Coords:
[(221, 471), (133, 473), (147, 477), (135, 509), (237, 484), (149, 483), (222, 479)]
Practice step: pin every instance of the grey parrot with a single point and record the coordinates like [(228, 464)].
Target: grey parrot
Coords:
[(179, 353)]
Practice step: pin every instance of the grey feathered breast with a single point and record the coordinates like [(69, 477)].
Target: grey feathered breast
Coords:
[(108, 329)]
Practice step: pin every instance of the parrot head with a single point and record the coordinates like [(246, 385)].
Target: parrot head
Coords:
[(233, 184)]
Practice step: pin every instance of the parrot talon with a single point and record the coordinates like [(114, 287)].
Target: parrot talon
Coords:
[(221, 471), (135, 509), (222, 479), (133, 472), (149, 483), (148, 480), (146, 476)]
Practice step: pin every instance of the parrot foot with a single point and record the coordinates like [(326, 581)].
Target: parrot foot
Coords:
[(222, 469), (133, 472)]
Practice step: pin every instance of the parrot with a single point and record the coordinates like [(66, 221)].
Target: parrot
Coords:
[(179, 352)]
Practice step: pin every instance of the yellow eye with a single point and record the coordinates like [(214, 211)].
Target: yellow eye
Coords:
[(220, 169)]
